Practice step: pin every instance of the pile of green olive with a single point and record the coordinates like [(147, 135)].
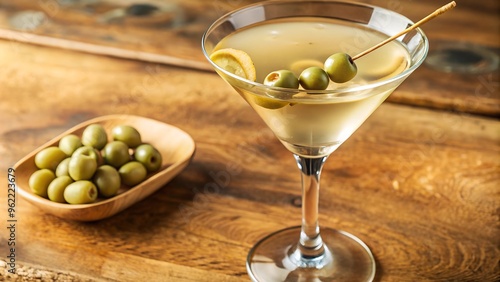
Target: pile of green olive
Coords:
[(338, 68), (80, 169)]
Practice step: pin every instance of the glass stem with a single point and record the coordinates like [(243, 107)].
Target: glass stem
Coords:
[(310, 245)]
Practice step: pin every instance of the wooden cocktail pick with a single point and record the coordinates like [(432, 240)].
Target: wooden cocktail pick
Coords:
[(436, 13)]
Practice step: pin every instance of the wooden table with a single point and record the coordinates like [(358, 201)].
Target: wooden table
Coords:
[(418, 182)]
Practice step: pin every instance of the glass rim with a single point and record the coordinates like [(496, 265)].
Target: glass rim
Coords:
[(291, 91)]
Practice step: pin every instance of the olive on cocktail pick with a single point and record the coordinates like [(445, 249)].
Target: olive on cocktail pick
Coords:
[(282, 78), (314, 78), (340, 67)]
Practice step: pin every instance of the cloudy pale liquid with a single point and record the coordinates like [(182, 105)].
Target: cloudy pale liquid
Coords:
[(309, 126)]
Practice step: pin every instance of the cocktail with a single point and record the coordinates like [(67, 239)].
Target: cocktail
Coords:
[(266, 49)]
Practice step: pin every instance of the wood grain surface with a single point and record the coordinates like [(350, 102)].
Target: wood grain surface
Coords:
[(419, 184)]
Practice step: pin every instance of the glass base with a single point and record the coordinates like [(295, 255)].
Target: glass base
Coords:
[(346, 258)]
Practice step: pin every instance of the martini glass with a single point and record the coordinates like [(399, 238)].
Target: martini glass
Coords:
[(312, 124)]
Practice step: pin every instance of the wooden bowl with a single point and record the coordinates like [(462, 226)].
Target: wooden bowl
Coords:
[(175, 146)]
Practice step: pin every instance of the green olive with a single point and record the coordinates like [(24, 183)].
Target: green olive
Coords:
[(62, 168), (49, 158), (80, 192), (56, 188), (127, 134), (116, 153), (149, 156), (340, 67), (95, 136), (82, 167), (39, 181), (107, 180), (282, 78), (314, 78), (89, 151), (132, 173), (69, 143)]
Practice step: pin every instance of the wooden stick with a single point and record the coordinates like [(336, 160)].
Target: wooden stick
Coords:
[(436, 13)]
